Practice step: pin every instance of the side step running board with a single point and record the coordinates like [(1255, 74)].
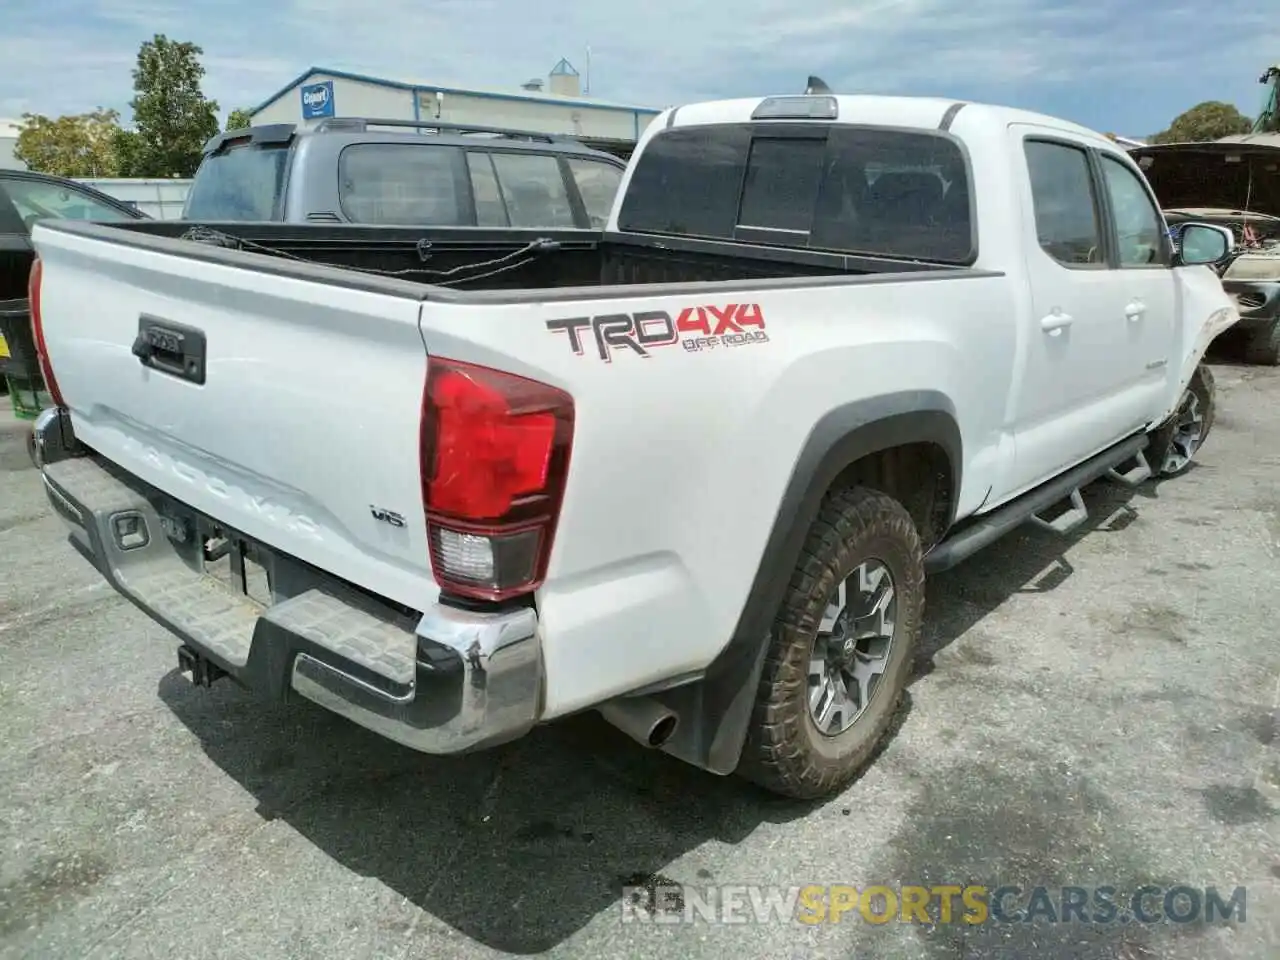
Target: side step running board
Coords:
[(1136, 475), (1076, 514), (986, 530)]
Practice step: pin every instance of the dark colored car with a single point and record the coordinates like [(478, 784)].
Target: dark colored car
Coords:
[(1234, 183), (404, 173), (26, 197)]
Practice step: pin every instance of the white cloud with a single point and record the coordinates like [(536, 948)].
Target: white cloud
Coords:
[(1109, 64)]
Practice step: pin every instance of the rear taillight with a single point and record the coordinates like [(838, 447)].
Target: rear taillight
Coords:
[(37, 332), (495, 457)]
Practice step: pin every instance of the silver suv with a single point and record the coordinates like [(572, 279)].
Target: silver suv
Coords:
[(346, 171)]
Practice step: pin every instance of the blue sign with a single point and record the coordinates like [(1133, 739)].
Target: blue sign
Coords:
[(317, 100)]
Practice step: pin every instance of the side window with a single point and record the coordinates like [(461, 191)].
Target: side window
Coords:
[(400, 183), (37, 199), (490, 210), (1062, 192), (782, 182), (1138, 225), (534, 190), (598, 183)]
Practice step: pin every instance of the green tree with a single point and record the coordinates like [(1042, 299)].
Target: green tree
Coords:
[(128, 150), (1211, 120), (171, 113), (79, 145), (239, 119)]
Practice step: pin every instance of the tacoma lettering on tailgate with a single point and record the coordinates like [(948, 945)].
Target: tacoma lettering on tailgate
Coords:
[(694, 328)]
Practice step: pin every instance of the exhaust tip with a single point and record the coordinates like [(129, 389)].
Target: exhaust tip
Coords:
[(644, 720), (663, 730)]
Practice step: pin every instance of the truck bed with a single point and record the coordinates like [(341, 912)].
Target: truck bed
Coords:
[(518, 259)]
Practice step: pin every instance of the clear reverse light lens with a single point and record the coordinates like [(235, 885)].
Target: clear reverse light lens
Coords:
[(465, 555)]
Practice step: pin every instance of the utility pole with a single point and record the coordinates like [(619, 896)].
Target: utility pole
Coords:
[(586, 92)]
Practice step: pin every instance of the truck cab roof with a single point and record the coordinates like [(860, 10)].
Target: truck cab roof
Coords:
[(869, 110)]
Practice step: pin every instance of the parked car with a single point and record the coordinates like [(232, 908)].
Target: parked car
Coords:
[(1234, 183), (351, 170), (693, 479), (26, 198)]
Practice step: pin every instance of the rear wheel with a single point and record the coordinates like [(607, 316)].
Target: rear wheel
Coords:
[(1174, 445), (841, 648)]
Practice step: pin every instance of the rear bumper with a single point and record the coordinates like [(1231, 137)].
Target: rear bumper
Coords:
[(441, 681)]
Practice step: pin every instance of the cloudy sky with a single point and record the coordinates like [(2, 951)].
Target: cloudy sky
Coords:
[(1110, 64)]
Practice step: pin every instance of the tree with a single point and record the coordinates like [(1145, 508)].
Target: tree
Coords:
[(172, 115), (80, 145), (239, 119), (1211, 120), (128, 150)]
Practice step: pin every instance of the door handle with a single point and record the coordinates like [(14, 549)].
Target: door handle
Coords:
[(1054, 323), (1135, 311)]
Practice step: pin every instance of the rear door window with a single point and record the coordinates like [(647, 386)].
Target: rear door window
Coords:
[(534, 190), (490, 210), (1066, 210), (839, 188), (402, 183), (598, 184)]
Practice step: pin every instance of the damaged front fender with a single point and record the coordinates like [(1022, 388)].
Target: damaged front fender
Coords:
[(1207, 311)]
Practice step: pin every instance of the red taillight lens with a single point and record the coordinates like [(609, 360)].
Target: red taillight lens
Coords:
[(37, 332), (495, 457)]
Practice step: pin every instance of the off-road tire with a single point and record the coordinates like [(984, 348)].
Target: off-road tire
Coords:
[(1263, 346), (784, 751), (1203, 386)]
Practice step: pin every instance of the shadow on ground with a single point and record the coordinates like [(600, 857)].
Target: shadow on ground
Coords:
[(520, 847), (1027, 560)]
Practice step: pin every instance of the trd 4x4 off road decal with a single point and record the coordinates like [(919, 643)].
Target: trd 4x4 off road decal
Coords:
[(694, 328)]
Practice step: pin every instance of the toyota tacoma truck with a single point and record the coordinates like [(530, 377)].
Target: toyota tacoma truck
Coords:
[(693, 477)]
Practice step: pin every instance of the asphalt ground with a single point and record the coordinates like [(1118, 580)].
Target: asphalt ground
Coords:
[(1099, 711)]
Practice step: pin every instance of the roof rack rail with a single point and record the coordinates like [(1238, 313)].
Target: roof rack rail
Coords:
[(441, 126)]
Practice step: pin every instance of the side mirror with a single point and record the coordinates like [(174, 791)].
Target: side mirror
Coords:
[(1204, 243)]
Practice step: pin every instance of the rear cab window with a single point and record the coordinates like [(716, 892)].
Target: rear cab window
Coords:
[(242, 182), (871, 191)]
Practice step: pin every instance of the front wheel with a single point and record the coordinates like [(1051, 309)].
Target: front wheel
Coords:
[(840, 650), (1175, 443)]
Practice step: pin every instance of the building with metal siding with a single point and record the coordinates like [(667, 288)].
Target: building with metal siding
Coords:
[(320, 93), (9, 130)]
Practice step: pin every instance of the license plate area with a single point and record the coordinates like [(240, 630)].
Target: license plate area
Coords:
[(239, 565)]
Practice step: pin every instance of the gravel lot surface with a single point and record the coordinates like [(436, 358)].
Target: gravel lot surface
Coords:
[(1094, 711)]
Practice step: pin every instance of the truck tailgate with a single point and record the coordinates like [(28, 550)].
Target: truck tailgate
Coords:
[(304, 433)]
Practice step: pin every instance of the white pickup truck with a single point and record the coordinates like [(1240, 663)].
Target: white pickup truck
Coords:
[(690, 472)]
